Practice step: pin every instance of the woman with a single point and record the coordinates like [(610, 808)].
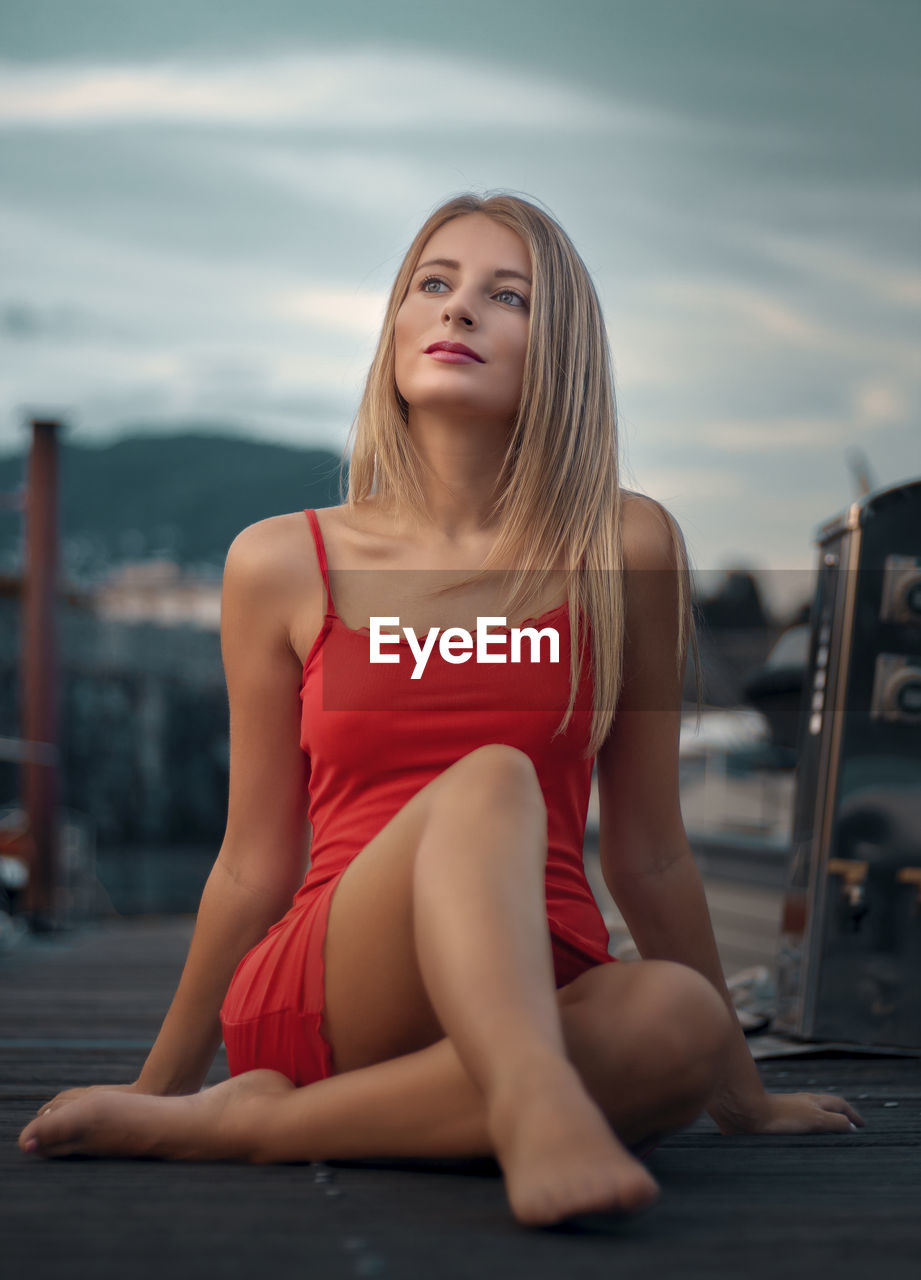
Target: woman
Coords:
[(440, 984)]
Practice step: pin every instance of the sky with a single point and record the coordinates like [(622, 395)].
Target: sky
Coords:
[(203, 206)]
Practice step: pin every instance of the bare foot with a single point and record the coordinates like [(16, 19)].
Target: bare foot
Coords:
[(559, 1155), (209, 1125)]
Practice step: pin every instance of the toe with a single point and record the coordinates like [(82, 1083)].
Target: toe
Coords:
[(27, 1140)]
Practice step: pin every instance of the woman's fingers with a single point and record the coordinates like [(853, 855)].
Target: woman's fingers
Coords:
[(831, 1102), (825, 1113), (815, 1113), (836, 1121), (805, 1113)]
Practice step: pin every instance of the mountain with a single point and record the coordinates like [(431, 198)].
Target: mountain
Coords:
[(182, 496)]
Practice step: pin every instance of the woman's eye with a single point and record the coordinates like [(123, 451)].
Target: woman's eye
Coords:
[(508, 296)]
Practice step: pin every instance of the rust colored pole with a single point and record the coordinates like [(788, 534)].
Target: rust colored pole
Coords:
[(39, 674)]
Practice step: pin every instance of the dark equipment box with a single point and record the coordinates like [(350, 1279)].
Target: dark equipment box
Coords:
[(849, 952)]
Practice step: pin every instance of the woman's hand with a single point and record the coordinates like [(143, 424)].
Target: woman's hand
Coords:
[(791, 1113), (70, 1095)]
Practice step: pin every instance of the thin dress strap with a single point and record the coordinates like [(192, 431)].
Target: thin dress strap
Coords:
[(321, 557)]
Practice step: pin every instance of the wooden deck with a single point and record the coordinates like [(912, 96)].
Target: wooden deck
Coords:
[(84, 1008)]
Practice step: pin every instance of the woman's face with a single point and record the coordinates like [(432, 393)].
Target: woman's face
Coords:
[(472, 287)]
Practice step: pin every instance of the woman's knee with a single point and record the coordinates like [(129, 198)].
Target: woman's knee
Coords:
[(684, 1008), (495, 773), (693, 1017), (673, 1018)]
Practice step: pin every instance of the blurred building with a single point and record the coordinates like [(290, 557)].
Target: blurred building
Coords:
[(159, 591)]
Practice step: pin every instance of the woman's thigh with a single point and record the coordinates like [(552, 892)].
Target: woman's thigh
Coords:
[(376, 1004)]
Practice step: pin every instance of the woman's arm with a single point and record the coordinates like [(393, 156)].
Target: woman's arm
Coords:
[(646, 858), (263, 855), (231, 919)]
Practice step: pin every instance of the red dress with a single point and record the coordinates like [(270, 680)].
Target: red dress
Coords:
[(375, 737)]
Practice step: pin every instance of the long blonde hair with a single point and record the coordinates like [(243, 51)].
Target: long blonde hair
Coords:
[(558, 485)]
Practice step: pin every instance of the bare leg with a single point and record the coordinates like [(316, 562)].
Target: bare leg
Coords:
[(438, 928), (647, 1040), (645, 1037)]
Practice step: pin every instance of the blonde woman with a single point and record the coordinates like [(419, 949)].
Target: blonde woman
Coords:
[(440, 984)]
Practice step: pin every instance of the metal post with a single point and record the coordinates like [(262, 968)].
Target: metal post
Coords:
[(39, 673)]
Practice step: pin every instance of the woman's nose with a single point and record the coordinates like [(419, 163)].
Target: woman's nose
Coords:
[(458, 309)]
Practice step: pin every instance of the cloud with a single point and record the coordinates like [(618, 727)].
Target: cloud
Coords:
[(668, 484), (879, 403), (836, 262), (375, 89), (144, 295), (773, 435), (689, 327), (740, 304), (875, 407), (344, 310), (25, 321), (362, 178)]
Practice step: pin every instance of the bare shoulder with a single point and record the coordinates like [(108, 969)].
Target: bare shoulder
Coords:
[(264, 556), (272, 567), (651, 536), (656, 598)]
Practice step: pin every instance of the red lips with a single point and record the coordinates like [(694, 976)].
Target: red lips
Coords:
[(457, 348)]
